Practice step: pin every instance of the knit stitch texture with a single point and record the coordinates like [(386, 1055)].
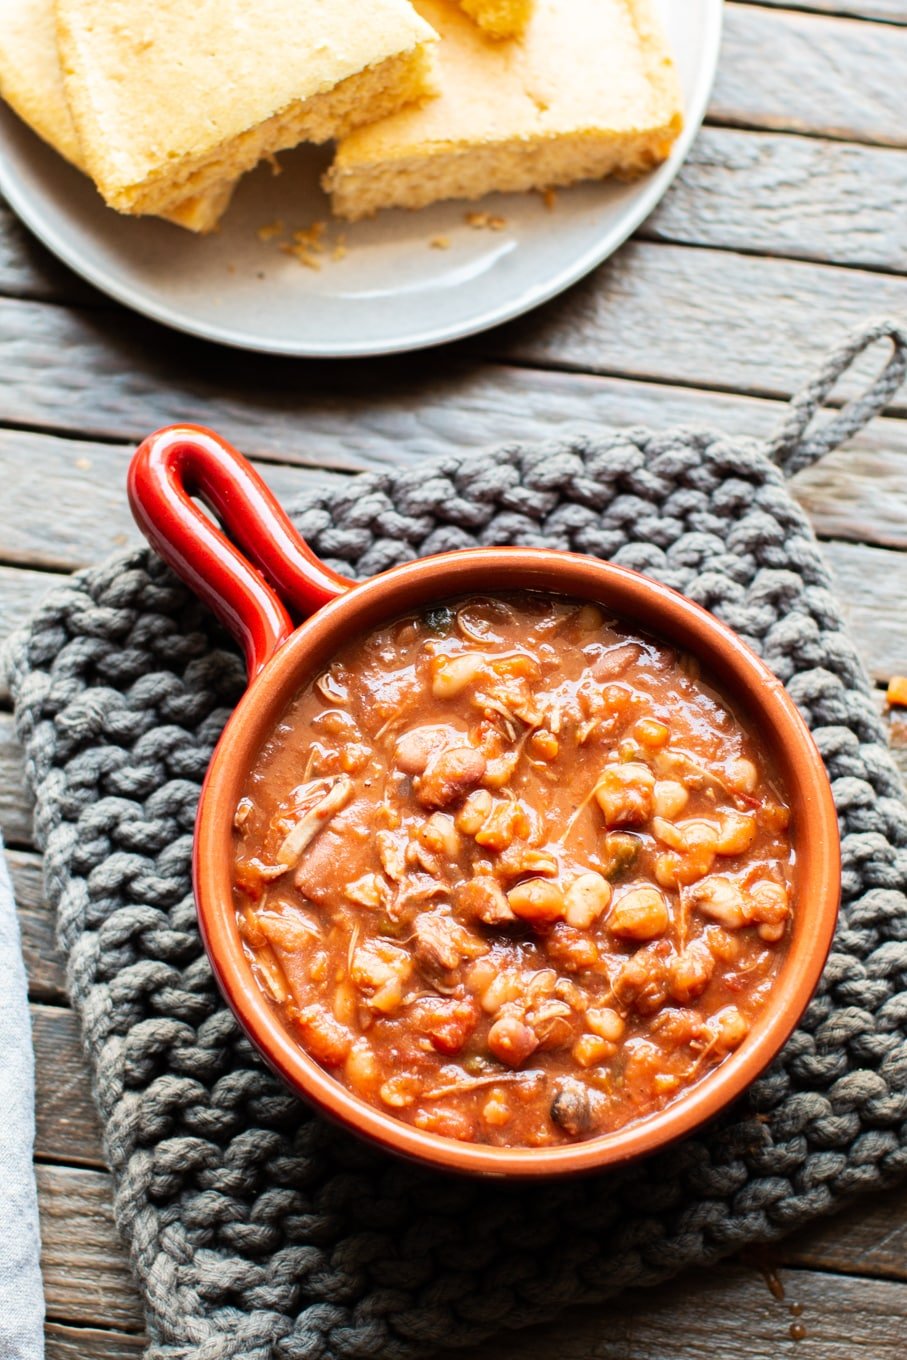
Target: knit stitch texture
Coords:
[(256, 1230)]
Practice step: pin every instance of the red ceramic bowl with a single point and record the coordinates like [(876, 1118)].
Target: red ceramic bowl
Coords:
[(254, 596)]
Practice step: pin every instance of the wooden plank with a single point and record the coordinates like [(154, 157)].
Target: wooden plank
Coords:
[(62, 1342), (86, 1274), (870, 1238), (871, 584), (81, 373), (27, 269), (20, 592), (15, 814), (82, 514), (43, 964), (665, 313), (812, 73), (66, 1122), (729, 1312), (859, 493), (808, 198)]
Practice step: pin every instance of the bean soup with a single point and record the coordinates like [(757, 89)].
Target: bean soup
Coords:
[(514, 873)]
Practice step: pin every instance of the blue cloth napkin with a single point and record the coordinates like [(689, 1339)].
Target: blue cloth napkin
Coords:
[(21, 1292)]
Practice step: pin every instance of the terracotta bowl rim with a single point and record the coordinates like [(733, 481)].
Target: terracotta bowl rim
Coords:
[(727, 660)]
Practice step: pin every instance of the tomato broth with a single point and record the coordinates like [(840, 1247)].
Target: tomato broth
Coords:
[(514, 873)]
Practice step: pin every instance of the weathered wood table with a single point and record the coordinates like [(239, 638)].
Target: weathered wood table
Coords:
[(788, 225)]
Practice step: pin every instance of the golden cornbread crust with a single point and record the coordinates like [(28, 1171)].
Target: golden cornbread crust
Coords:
[(381, 89), (31, 82), (170, 96), (521, 115), (500, 18)]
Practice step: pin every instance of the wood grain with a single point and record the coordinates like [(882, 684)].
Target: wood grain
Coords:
[(664, 313), (15, 814), (803, 197), (86, 1275), (43, 964), (871, 584), (28, 270), (870, 1238), (811, 73), (729, 1312), (67, 1125), (76, 372), (84, 515), (62, 1342)]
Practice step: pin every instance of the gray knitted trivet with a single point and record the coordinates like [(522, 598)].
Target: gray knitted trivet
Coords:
[(255, 1229)]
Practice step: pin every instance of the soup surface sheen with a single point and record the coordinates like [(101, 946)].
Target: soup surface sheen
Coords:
[(513, 873)]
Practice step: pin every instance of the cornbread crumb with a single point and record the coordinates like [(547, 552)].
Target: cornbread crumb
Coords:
[(311, 238), (549, 198), (304, 256), (274, 74), (276, 167), (440, 243), (500, 18), (272, 229), (896, 694), (519, 116), (481, 221), (310, 246)]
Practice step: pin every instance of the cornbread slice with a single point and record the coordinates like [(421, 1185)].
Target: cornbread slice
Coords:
[(590, 90), (171, 96), (500, 18), (31, 82)]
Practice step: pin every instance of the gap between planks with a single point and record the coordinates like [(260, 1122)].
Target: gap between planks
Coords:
[(885, 11), (815, 73)]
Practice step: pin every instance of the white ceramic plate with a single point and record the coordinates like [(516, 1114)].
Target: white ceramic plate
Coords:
[(392, 290)]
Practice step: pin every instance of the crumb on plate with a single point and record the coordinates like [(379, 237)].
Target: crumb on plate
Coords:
[(481, 221), (270, 230)]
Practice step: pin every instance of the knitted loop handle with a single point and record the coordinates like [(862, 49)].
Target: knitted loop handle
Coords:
[(790, 446)]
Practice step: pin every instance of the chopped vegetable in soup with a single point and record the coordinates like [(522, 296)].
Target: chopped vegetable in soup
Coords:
[(513, 873)]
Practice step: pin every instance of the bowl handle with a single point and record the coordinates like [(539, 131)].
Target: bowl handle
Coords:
[(183, 461)]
